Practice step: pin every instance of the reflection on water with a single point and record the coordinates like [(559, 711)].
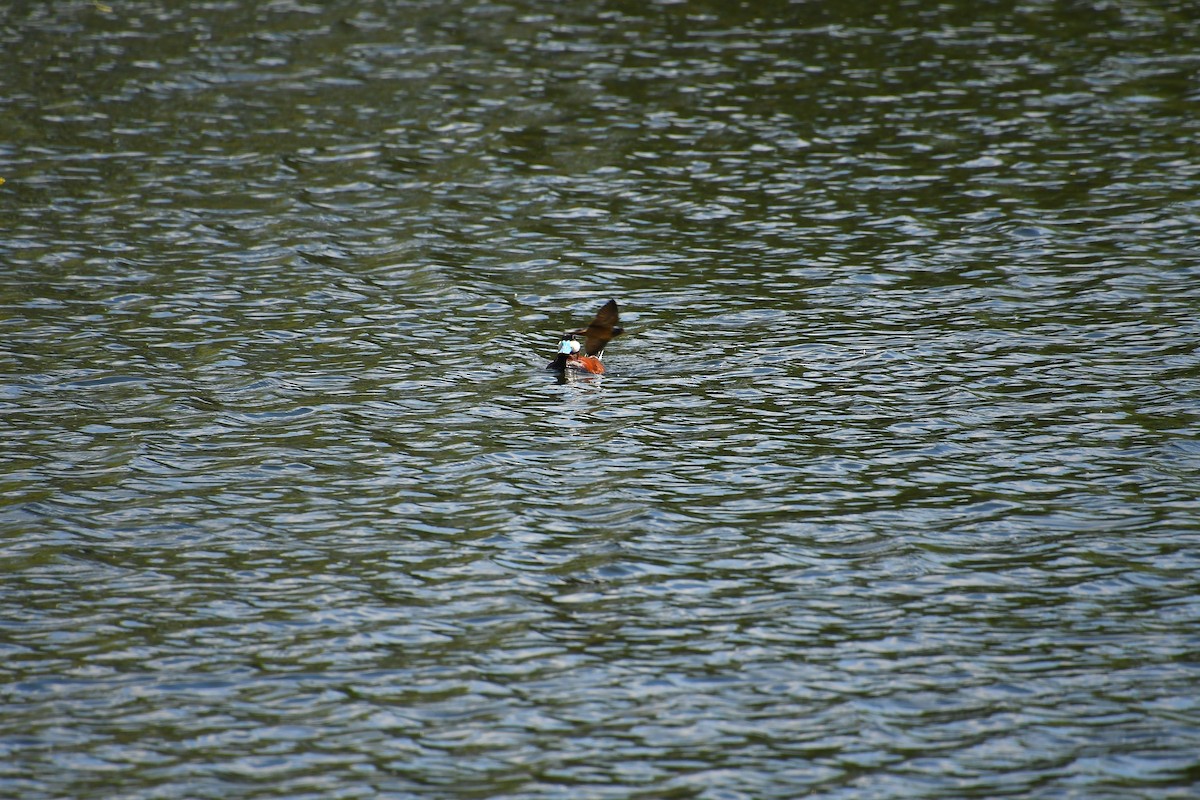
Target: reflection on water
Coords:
[(889, 489)]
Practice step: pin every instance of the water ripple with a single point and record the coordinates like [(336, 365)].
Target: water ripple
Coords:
[(888, 490)]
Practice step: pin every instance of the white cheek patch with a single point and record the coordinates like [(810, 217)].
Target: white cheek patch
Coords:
[(574, 346)]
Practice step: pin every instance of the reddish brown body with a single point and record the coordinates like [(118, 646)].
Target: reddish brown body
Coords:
[(589, 364)]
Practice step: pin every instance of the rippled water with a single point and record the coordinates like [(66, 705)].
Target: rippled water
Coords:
[(891, 489)]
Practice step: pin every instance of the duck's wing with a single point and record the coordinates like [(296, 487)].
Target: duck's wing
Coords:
[(601, 330)]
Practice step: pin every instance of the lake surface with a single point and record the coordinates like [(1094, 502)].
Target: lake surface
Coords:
[(891, 490)]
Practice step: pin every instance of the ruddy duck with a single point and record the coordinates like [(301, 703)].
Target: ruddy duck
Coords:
[(595, 336)]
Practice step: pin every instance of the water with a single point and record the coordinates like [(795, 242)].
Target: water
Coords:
[(890, 489)]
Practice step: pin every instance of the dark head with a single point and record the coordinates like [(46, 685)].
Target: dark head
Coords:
[(568, 347)]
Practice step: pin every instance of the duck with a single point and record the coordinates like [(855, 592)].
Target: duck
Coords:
[(599, 332)]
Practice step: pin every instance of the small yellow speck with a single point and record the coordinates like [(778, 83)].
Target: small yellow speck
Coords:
[(101, 7)]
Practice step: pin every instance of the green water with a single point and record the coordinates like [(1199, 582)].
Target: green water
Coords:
[(890, 489)]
